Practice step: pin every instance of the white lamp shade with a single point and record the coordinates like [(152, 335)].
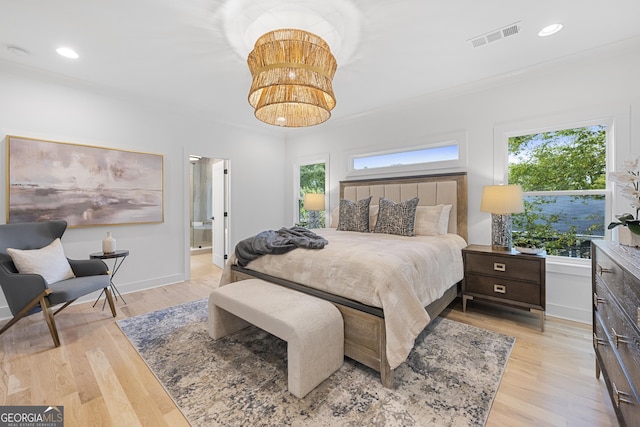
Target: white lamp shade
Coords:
[(314, 202), (502, 199)]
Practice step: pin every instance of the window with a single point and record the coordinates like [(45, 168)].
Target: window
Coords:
[(425, 155), (563, 177), (436, 152), (312, 179)]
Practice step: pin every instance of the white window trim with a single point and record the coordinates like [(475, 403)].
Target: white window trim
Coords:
[(458, 138), (310, 160), (615, 117)]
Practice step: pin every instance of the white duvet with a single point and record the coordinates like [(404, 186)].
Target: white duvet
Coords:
[(399, 274)]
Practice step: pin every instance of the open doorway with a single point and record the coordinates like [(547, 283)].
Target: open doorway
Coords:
[(209, 220)]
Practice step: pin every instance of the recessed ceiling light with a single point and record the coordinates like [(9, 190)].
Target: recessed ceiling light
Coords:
[(67, 52), (549, 30)]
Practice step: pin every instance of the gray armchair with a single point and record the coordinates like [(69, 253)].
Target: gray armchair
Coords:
[(29, 293)]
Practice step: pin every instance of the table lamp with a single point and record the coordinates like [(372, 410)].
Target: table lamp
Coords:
[(313, 203), (501, 201)]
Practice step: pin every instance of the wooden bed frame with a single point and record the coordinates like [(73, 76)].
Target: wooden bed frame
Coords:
[(364, 327)]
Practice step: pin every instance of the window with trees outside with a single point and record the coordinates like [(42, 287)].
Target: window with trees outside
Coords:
[(563, 178), (312, 180)]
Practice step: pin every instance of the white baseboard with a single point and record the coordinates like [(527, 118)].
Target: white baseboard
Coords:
[(569, 313)]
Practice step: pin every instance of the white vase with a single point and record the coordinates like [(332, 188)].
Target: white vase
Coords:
[(108, 244), (627, 238)]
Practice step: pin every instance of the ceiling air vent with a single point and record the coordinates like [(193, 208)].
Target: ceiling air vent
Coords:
[(492, 36)]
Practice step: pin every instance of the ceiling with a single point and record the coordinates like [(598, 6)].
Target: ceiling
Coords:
[(185, 53)]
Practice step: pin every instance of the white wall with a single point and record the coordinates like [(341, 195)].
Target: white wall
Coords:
[(603, 83), (39, 107)]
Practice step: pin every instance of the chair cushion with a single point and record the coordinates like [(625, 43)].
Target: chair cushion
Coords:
[(68, 290), (49, 262)]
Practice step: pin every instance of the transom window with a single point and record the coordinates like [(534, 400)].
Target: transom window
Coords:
[(425, 155), (435, 152)]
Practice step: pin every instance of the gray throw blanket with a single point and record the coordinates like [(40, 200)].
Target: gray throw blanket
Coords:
[(277, 243)]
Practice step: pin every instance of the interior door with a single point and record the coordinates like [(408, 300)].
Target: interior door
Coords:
[(218, 198)]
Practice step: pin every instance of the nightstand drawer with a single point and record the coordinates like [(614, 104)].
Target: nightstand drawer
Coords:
[(511, 267), (513, 291)]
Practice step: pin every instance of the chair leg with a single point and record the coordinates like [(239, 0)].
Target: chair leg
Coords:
[(109, 296), (25, 310), (51, 323), (66, 304)]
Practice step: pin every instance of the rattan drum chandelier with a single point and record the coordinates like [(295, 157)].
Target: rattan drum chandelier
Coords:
[(292, 72)]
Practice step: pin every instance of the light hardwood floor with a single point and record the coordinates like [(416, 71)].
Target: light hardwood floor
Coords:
[(101, 380)]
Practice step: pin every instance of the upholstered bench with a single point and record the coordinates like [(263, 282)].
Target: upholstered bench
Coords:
[(312, 327)]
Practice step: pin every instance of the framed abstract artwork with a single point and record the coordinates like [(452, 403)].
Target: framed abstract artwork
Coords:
[(81, 184)]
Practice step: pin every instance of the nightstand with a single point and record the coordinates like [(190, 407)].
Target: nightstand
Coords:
[(504, 277)]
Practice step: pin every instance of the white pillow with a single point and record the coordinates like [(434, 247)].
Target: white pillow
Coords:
[(49, 262), (373, 216), (428, 220), (443, 225), (335, 217)]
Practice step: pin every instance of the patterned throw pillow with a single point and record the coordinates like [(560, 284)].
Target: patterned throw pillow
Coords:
[(354, 216), (396, 218)]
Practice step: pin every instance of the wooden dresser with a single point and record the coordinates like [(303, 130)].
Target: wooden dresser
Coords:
[(504, 277), (616, 325)]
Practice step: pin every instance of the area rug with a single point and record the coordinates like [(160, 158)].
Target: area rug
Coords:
[(449, 379)]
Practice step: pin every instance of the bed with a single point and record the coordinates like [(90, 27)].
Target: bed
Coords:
[(386, 307)]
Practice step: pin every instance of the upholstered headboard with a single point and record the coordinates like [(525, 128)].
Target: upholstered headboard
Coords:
[(448, 189)]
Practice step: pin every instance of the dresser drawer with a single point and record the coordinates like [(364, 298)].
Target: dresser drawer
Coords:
[(605, 304), (631, 298), (616, 326), (512, 290), (622, 395), (622, 334), (510, 267), (609, 272)]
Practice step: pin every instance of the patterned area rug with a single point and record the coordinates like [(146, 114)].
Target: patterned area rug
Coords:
[(449, 379)]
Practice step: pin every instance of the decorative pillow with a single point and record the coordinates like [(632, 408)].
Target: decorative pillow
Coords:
[(354, 216), (428, 220), (443, 226), (396, 218), (335, 217), (49, 262)]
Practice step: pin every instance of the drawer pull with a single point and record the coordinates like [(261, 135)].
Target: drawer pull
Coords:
[(601, 270), (617, 339), (598, 300), (598, 341), (499, 266), (619, 396), (500, 289)]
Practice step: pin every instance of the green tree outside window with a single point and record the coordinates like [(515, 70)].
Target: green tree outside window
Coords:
[(563, 177), (312, 180)]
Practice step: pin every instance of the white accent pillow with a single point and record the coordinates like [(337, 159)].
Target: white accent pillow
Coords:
[(373, 216), (443, 225), (428, 220), (49, 262), (335, 217)]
